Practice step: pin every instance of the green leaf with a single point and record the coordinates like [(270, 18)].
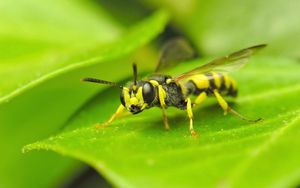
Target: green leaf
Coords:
[(20, 74), (221, 26), (38, 39), (136, 151), (45, 52)]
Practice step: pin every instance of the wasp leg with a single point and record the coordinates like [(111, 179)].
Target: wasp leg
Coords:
[(190, 115), (165, 119), (161, 97), (227, 108), (201, 97), (119, 111)]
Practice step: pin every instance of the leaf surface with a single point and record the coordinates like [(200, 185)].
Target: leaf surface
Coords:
[(46, 58), (136, 151)]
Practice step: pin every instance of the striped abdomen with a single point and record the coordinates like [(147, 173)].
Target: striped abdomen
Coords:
[(208, 82)]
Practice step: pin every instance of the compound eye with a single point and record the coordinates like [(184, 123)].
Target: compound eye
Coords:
[(148, 93), (122, 99)]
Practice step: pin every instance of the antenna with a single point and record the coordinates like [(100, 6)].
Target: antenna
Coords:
[(98, 81), (134, 68)]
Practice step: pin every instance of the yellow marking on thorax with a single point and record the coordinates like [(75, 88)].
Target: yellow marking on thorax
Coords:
[(183, 88), (200, 80), (169, 80), (154, 82)]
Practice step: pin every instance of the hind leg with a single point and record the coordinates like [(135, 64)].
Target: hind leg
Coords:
[(227, 108)]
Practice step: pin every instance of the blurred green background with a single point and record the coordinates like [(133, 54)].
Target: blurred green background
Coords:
[(47, 46)]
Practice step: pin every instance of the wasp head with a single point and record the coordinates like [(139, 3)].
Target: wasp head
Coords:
[(137, 97)]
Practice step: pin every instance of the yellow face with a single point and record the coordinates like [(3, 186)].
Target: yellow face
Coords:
[(137, 98), (133, 100)]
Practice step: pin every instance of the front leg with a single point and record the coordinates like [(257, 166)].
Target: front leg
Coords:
[(165, 119), (117, 114), (161, 98)]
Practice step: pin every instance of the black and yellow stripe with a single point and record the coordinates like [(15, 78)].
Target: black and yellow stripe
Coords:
[(210, 81)]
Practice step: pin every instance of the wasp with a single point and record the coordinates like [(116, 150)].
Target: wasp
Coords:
[(160, 90)]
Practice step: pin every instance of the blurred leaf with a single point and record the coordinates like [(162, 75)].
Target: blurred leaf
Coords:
[(19, 74), (127, 15), (136, 151), (39, 39), (46, 44), (220, 26)]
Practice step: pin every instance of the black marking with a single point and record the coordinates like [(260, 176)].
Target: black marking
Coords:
[(223, 85), (235, 93), (161, 79), (191, 88), (139, 84), (134, 109), (232, 91), (134, 69), (174, 97), (211, 80)]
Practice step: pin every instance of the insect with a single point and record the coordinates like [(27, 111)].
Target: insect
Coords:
[(160, 90)]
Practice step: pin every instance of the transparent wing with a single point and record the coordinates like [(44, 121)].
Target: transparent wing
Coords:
[(174, 51), (228, 63)]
